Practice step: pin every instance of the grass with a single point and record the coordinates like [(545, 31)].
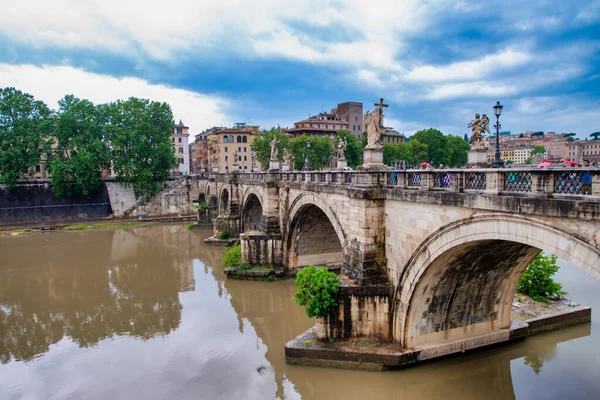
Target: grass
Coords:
[(308, 343)]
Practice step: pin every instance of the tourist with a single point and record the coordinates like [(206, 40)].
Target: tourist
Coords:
[(586, 179), (595, 164)]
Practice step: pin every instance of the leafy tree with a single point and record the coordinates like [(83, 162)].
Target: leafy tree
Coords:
[(437, 145), (538, 150), (317, 290), (466, 138), (521, 136), (140, 138), (419, 151), (411, 152), (457, 151), (537, 281), (595, 135), (81, 152), (353, 151), (25, 125), (262, 146), (320, 151)]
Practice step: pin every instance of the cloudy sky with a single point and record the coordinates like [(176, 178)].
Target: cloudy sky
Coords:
[(435, 62)]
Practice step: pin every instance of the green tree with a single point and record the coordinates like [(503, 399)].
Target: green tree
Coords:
[(411, 152), (353, 151), (538, 150), (419, 151), (320, 151), (595, 135), (437, 145), (466, 138), (25, 126), (390, 154), (537, 283), (262, 146), (458, 151), (140, 139), (317, 290), (81, 152)]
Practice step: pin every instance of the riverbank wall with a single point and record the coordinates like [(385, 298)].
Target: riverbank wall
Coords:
[(32, 203)]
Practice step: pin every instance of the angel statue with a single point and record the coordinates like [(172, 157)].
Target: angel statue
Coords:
[(286, 156), (478, 126), (373, 125), (341, 150), (274, 149), (236, 157)]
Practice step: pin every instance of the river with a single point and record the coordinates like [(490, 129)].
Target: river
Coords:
[(147, 313)]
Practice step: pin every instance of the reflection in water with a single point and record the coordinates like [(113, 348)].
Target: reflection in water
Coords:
[(148, 313)]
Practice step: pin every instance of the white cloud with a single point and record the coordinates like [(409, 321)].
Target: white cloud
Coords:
[(471, 89), (51, 83), (471, 70), (259, 28)]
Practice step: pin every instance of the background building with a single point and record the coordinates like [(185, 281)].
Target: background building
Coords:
[(222, 146), (583, 150), (319, 125), (352, 113), (182, 151)]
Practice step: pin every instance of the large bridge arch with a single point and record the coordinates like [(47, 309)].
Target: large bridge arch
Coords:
[(252, 209), (461, 280), (313, 225)]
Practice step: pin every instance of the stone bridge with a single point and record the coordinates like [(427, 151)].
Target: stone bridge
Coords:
[(430, 256)]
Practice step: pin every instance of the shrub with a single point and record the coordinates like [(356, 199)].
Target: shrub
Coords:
[(233, 256), (224, 235), (317, 290), (201, 207), (537, 281), (190, 227)]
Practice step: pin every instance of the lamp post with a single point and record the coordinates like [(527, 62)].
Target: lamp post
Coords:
[(497, 163), (307, 159), (252, 160)]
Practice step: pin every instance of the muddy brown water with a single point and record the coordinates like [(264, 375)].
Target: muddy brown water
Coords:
[(147, 313)]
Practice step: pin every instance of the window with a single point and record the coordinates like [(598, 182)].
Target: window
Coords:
[(245, 167), (231, 139), (239, 139), (245, 139), (37, 168), (356, 119), (225, 139), (179, 140), (180, 160), (181, 150), (225, 149), (179, 131), (245, 149), (173, 139), (226, 158), (245, 158)]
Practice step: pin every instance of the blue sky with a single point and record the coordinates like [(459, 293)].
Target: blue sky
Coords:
[(436, 63)]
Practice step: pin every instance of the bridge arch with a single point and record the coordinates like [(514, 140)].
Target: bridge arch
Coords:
[(461, 280), (252, 210), (314, 233)]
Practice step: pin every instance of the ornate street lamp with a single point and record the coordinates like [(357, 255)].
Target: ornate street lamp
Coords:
[(497, 163), (307, 159)]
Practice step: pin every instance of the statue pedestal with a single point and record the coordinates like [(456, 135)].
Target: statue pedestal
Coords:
[(341, 164), (373, 159), (285, 167), (273, 166), (477, 158)]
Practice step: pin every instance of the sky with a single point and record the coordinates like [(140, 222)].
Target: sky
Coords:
[(270, 63)]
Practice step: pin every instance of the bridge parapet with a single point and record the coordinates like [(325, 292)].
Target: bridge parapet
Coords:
[(565, 182)]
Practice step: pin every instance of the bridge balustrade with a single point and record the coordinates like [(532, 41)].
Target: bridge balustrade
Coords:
[(562, 182)]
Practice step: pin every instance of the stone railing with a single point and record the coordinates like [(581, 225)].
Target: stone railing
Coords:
[(559, 182), (562, 182)]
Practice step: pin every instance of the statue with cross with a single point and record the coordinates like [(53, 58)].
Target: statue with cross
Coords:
[(373, 125)]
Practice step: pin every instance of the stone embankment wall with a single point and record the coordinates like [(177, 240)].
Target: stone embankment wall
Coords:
[(33, 202)]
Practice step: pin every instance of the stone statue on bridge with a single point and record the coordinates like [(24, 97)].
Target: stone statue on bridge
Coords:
[(373, 126), (341, 150), (287, 157), (478, 126), (274, 149)]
